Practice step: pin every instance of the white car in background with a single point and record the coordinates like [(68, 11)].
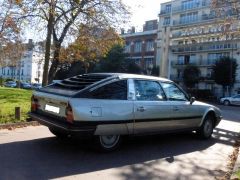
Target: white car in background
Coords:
[(234, 100)]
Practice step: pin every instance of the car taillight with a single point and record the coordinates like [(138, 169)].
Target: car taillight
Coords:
[(69, 114), (34, 104)]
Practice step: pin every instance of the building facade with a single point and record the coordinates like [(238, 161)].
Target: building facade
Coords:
[(140, 47), (190, 33), (29, 68)]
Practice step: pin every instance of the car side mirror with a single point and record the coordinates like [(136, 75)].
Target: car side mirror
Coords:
[(192, 99)]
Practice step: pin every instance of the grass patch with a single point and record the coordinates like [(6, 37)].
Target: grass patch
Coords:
[(237, 174), (11, 98)]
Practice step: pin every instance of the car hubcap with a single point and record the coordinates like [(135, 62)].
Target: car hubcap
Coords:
[(226, 103), (208, 128), (109, 141)]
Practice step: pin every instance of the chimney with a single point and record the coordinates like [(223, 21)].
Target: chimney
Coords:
[(30, 44), (122, 31), (133, 30)]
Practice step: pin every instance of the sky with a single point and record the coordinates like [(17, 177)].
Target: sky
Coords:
[(143, 10)]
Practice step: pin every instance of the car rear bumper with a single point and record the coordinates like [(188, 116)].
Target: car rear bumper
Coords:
[(72, 129)]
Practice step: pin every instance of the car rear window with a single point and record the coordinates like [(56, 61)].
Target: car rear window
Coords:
[(113, 91), (70, 86)]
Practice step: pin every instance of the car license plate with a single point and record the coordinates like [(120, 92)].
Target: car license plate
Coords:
[(52, 108)]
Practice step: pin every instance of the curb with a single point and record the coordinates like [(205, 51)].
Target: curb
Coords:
[(18, 125), (236, 168)]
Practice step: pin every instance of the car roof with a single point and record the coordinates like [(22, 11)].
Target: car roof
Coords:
[(130, 76)]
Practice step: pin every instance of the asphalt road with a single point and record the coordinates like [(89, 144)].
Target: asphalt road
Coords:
[(34, 153)]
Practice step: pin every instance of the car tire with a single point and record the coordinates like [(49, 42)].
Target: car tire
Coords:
[(206, 130), (107, 143), (58, 133), (226, 103)]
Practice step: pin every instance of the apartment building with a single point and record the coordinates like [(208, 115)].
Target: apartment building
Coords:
[(190, 32), (29, 68), (140, 47)]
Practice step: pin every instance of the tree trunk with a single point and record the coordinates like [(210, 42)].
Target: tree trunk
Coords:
[(55, 63), (48, 44)]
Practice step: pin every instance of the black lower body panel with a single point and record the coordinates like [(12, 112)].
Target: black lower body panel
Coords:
[(64, 126)]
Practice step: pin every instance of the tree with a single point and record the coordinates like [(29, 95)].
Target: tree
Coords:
[(225, 72), (63, 18), (191, 76), (116, 62), (11, 47), (91, 45)]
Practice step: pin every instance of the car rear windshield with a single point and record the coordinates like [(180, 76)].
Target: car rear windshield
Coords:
[(70, 86)]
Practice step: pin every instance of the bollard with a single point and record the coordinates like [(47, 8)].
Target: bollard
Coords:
[(17, 113)]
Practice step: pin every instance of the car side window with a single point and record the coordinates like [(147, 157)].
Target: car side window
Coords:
[(237, 96), (114, 91), (172, 92), (148, 91)]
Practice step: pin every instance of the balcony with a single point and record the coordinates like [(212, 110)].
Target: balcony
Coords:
[(176, 78), (200, 32), (199, 63), (203, 48), (205, 78), (202, 4), (163, 12), (199, 19)]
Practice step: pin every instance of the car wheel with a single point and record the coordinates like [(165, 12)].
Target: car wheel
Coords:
[(206, 129), (226, 102), (58, 134), (108, 143)]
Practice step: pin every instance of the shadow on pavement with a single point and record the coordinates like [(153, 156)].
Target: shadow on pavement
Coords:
[(49, 158)]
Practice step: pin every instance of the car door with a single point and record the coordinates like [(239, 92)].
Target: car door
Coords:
[(235, 100), (108, 107), (183, 113), (151, 110)]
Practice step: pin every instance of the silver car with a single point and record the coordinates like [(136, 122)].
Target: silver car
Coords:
[(108, 106), (234, 100)]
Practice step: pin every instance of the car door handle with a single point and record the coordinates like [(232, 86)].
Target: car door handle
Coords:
[(140, 109), (175, 109)]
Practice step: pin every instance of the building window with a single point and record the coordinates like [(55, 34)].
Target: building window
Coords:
[(168, 8), (213, 57), (22, 72), (166, 21), (187, 59), (8, 72), (127, 48), (148, 62), (188, 18), (190, 4), (138, 61), (138, 46), (150, 45)]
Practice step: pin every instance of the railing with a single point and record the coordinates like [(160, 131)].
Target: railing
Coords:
[(199, 32), (213, 47), (175, 63), (194, 6), (175, 77), (165, 12), (199, 19)]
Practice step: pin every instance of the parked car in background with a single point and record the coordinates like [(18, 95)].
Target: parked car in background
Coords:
[(234, 100), (36, 86), (107, 106), (11, 84), (25, 85)]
